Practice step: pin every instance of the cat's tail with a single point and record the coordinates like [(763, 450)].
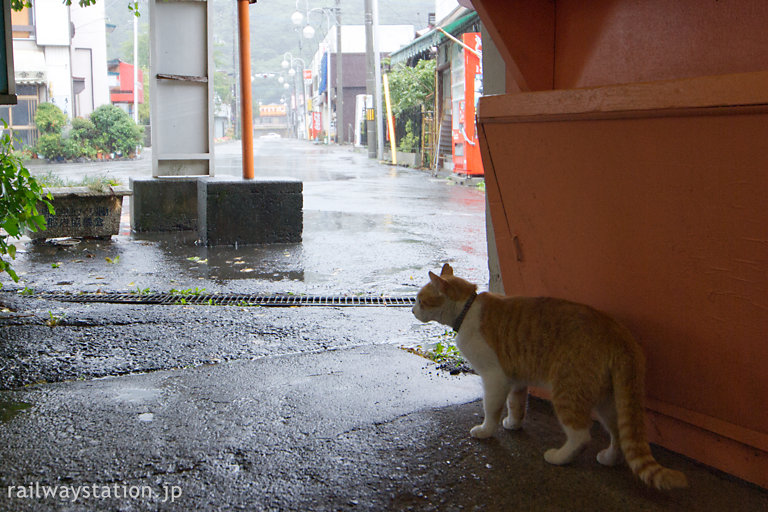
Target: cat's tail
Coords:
[(629, 390)]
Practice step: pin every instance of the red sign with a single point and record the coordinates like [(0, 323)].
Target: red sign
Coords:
[(317, 125), (307, 75)]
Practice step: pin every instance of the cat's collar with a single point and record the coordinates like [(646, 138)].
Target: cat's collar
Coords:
[(460, 319)]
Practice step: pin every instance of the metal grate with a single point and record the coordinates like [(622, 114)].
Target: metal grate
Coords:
[(226, 299)]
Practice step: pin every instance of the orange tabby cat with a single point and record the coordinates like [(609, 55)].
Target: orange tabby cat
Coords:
[(588, 360)]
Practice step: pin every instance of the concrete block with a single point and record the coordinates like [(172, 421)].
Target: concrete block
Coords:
[(259, 211), (82, 213), (164, 204)]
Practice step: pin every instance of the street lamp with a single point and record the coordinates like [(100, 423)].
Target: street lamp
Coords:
[(297, 18), (289, 62), (333, 17)]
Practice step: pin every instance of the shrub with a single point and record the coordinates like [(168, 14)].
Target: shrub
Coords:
[(82, 138), (83, 129), (18, 202), (117, 131), (409, 143), (49, 118), (50, 146)]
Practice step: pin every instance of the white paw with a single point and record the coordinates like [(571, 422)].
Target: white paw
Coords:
[(554, 456), (481, 432), (609, 457), (510, 424)]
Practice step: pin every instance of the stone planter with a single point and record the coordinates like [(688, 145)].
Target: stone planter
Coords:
[(408, 159), (83, 213)]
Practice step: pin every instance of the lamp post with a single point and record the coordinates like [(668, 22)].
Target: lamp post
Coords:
[(309, 32), (288, 63)]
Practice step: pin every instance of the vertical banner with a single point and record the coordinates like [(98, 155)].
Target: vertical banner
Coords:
[(317, 125), (473, 90)]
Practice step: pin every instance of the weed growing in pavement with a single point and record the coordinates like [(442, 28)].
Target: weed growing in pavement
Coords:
[(187, 292), (54, 320), (443, 352)]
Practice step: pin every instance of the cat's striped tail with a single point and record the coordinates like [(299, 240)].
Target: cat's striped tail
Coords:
[(629, 390)]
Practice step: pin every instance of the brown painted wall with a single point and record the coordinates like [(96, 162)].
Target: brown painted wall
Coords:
[(647, 200), (602, 42)]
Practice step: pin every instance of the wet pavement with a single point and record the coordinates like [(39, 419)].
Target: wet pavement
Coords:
[(136, 407), (368, 228)]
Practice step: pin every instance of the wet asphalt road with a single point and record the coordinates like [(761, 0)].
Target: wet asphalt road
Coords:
[(296, 409), (369, 229)]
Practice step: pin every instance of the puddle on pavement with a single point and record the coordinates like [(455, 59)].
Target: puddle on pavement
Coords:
[(137, 395), (273, 262), (9, 409), (146, 417)]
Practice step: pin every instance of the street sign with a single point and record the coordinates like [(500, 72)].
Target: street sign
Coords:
[(308, 75)]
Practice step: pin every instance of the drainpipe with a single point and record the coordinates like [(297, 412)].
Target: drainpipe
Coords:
[(246, 97)]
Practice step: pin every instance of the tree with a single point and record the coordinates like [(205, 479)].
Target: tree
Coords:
[(411, 86)]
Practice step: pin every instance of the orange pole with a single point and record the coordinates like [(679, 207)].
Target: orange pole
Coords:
[(246, 113)]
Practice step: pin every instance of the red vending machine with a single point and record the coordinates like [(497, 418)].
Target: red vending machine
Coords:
[(466, 89)]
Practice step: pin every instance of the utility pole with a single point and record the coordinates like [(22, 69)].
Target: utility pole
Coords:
[(136, 67), (246, 117), (377, 84), (339, 86), (370, 79)]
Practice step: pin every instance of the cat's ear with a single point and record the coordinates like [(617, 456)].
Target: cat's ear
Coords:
[(447, 270), (438, 281)]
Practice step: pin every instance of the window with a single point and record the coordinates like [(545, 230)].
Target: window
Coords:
[(21, 117)]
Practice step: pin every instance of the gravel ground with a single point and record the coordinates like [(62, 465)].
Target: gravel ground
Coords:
[(97, 340)]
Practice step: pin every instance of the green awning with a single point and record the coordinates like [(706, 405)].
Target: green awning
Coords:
[(433, 38)]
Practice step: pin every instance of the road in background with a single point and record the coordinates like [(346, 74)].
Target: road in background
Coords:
[(369, 228)]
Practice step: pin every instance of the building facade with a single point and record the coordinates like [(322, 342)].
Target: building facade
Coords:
[(59, 55)]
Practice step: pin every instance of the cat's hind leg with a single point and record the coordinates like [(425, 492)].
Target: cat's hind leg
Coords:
[(495, 389), (574, 416), (517, 401), (606, 415)]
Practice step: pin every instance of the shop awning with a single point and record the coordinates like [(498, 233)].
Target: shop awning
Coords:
[(29, 66), (433, 38)]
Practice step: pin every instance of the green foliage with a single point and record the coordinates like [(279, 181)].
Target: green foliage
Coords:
[(18, 5), (409, 143), (411, 86), (117, 131), (98, 183), (83, 130), (50, 119), (50, 179), (19, 200), (82, 138), (50, 145)]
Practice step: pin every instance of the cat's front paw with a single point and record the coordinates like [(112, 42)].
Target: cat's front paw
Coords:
[(609, 457), (481, 431), (512, 424)]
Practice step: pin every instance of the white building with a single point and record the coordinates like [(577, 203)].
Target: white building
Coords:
[(60, 56)]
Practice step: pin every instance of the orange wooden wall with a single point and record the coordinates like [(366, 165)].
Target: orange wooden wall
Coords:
[(647, 200)]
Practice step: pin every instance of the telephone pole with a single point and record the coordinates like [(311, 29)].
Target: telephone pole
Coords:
[(373, 80), (339, 87)]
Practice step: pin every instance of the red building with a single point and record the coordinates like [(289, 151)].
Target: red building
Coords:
[(121, 85)]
